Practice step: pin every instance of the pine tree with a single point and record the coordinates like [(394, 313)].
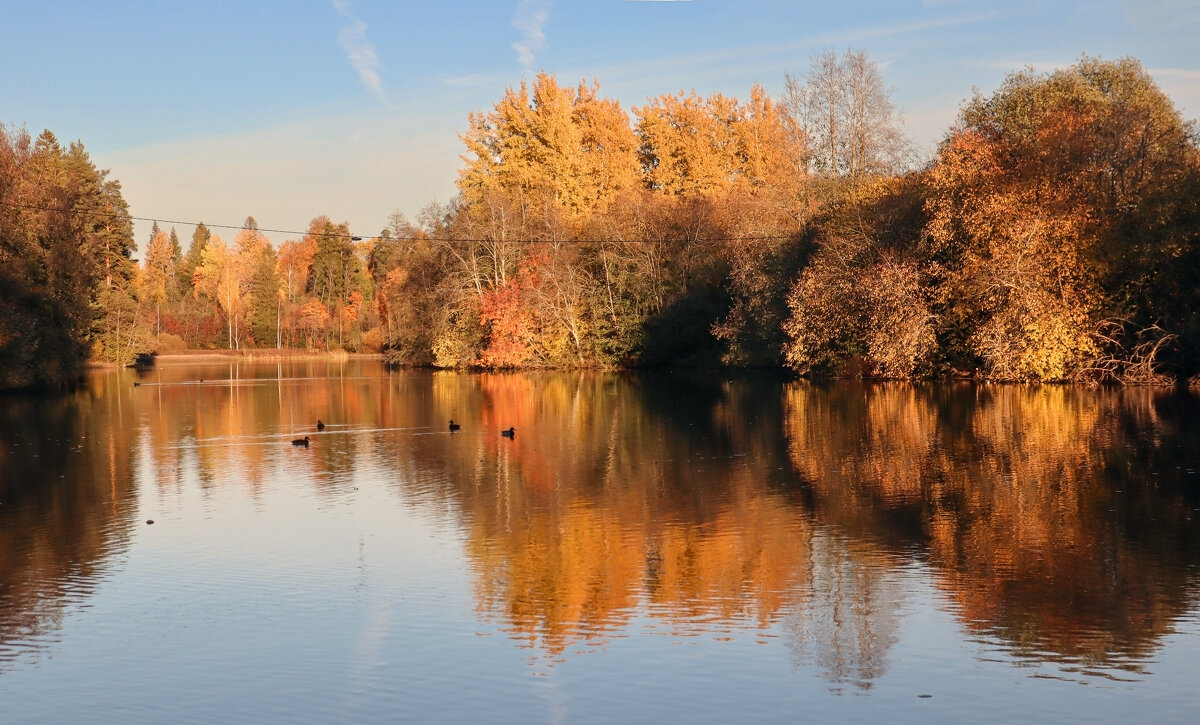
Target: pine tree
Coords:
[(176, 248), (195, 257)]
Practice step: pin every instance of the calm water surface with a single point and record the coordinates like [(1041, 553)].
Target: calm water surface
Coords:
[(645, 549)]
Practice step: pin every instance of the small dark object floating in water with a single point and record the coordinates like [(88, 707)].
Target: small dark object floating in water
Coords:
[(149, 521), (301, 442), (510, 433), (320, 424), (454, 426), (136, 383)]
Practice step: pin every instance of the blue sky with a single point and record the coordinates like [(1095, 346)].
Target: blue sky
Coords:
[(218, 110)]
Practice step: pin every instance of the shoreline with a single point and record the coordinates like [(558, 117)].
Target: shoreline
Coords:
[(191, 357), (199, 356)]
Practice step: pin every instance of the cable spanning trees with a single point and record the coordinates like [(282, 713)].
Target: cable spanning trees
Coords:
[(247, 294)]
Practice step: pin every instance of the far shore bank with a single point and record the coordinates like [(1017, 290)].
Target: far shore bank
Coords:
[(189, 357), (267, 355)]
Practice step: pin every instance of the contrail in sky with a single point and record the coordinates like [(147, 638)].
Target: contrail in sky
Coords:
[(360, 52), (530, 18)]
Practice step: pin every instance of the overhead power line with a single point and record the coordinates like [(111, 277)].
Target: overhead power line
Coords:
[(449, 240), (34, 207)]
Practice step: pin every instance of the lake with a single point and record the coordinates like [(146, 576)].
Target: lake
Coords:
[(645, 548)]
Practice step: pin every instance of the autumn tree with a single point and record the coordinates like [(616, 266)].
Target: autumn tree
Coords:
[(293, 264), (337, 269), (66, 248), (194, 317), (194, 256), (417, 290), (260, 284), (861, 306), (219, 277), (159, 276), (842, 106), (1056, 205), (687, 143), (549, 145), (176, 249), (314, 322)]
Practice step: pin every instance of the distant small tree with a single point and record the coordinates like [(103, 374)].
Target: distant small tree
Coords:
[(159, 275)]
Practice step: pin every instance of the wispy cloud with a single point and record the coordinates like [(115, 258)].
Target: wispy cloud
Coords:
[(1157, 16), (1010, 65), (360, 52), (1183, 74), (730, 59), (473, 79), (530, 18)]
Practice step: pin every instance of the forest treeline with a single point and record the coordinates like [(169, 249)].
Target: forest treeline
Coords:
[(1053, 236)]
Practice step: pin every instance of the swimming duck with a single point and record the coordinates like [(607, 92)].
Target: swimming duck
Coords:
[(320, 424), (454, 426), (510, 433), (301, 442)]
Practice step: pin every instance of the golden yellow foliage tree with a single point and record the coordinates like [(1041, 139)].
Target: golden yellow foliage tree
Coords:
[(220, 277), (549, 145), (687, 145), (158, 275)]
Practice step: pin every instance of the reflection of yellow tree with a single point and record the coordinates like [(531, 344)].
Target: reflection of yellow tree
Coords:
[(661, 502), (1009, 489), (571, 533), (559, 578), (234, 428)]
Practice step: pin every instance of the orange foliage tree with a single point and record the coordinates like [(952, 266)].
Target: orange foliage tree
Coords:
[(508, 340), (1052, 203)]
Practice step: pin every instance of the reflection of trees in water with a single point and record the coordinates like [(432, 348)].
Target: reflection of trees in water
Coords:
[(1050, 513), (604, 507), (1058, 521), (670, 501), (68, 503), (849, 620)]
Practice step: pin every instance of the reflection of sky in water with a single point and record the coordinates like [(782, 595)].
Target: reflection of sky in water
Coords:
[(637, 553)]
